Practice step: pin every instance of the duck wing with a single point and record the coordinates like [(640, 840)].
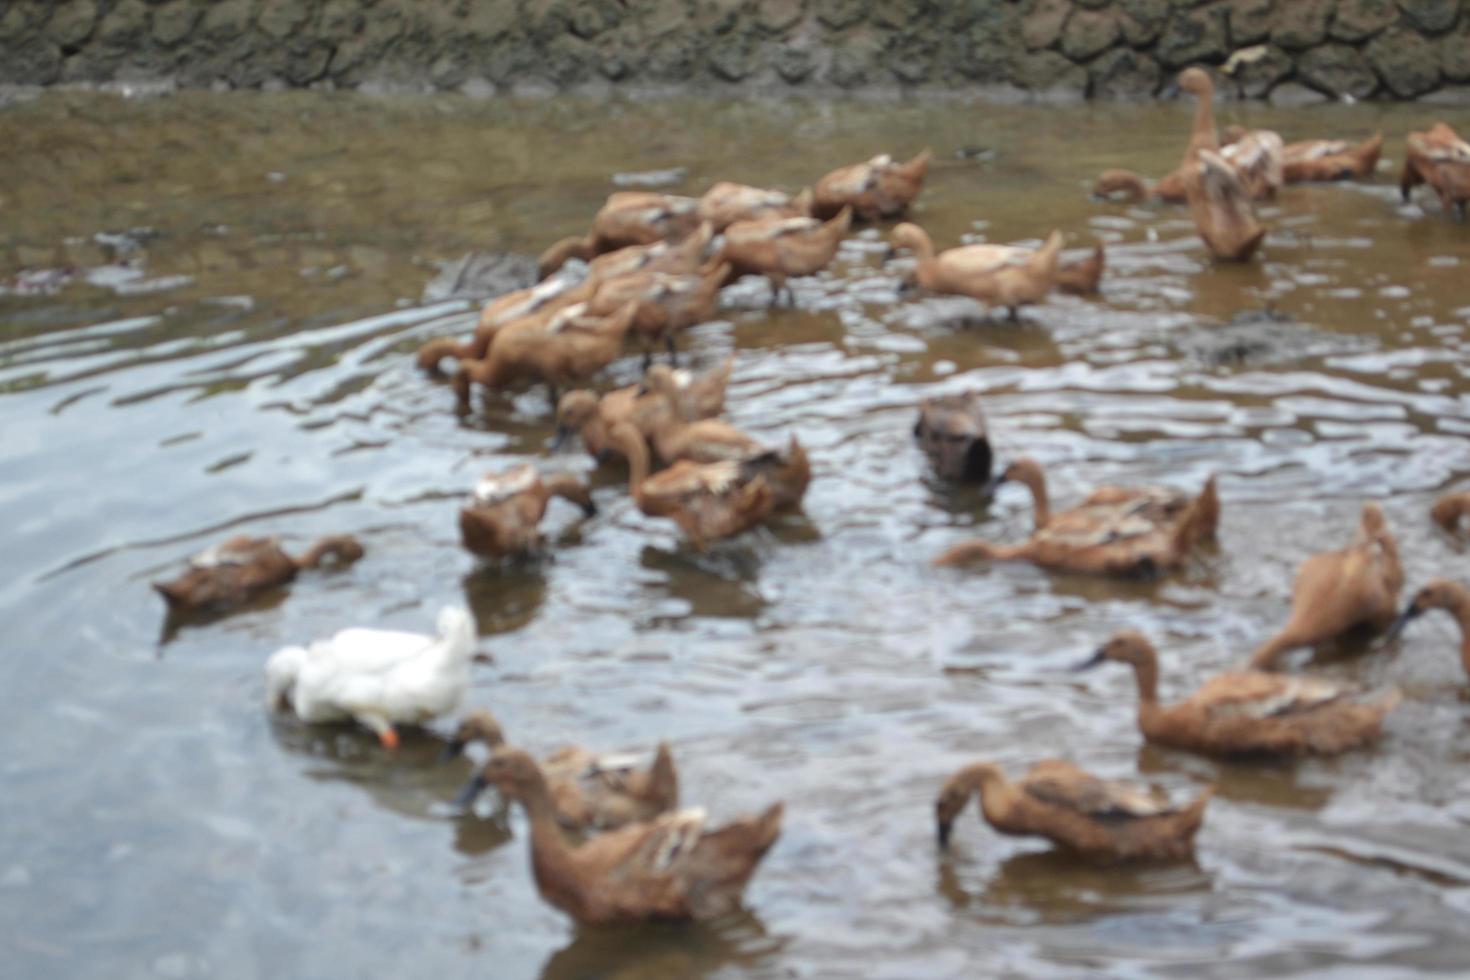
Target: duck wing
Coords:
[(1063, 784), (667, 841), (1262, 695), (984, 258)]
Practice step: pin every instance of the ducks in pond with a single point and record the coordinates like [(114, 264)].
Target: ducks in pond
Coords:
[(1249, 712), (726, 203), (782, 249), (672, 867), (1439, 158), (1440, 593), (875, 189), (589, 791), (233, 571), (504, 512), (628, 218), (666, 304), (1128, 531), (1258, 156), (1323, 160), (1338, 590), (376, 677), (999, 275), (952, 432), (1451, 509), (1098, 819)]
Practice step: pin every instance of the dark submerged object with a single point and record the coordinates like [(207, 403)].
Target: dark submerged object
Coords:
[(951, 430)]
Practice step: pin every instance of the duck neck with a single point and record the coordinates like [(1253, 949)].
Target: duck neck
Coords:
[(996, 793), (552, 860), (1203, 137), (1035, 481), (1146, 673), (629, 441), (336, 546)]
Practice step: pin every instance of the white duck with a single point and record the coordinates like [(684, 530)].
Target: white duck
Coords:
[(378, 678)]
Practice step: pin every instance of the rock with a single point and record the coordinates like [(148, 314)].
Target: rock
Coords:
[(1454, 53), (1141, 21), (283, 18), (1258, 76), (898, 14), (1089, 33), (1047, 71), (72, 23), (172, 22), (1455, 95), (1406, 62), (37, 62), (310, 63), (1041, 27), (1291, 95), (590, 19), (793, 64), (341, 18), (1338, 70), (777, 15), (226, 21), (1430, 16), (1301, 23), (733, 58), (1358, 20), (1193, 37), (1123, 73), (838, 14), (125, 24), (1251, 21)]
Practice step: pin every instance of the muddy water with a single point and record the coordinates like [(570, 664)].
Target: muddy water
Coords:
[(223, 344)]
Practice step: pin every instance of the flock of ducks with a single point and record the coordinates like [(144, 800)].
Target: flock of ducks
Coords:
[(608, 843)]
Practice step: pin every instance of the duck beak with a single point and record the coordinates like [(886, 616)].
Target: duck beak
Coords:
[(1097, 658), (472, 789), (452, 751), (559, 438), (1398, 625)]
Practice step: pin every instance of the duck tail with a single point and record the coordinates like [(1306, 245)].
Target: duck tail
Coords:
[(1201, 519), (917, 168), (1121, 185), (839, 225), (173, 592), (803, 202), (663, 778), (573, 247), (1366, 153), (1083, 277)]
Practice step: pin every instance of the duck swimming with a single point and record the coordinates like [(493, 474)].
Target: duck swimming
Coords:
[(782, 249), (1249, 712), (1115, 531), (378, 678), (1125, 185), (708, 501), (694, 397), (952, 432), (1322, 160), (502, 516), (628, 218), (1339, 590), (998, 275), (1098, 819), (1218, 199), (1440, 159), (544, 297), (588, 791), (878, 188), (1440, 593), (666, 304), (671, 867), (726, 203), (231, 572), (1258, 157)]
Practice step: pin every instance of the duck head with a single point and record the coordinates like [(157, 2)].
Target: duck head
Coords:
[(957, 792), (510, 770), (1127, 647), (574, 410), (477, 726), (1437, 593)]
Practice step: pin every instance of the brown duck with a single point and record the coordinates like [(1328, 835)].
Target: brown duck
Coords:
[(1219, 200), (672, 867), (1450, 509), (1338, 590), (1115, 531), (782, 249), (952, 432), (1125, 185), (1440, 593), (726, 203), (1249, 712), (694, 397), (1322, 160), (877, 188), (560, 348), (1098, 819), (628, 218), (666, 304), (1258, 156), (232, 571), (998, 275), (544, 297), (708, 501), (588, 791), (502, 517), (1440, 159)]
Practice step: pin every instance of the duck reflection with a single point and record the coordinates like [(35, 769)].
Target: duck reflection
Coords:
[(1272, 781), (722, 582), (737, 943), (505, 596)]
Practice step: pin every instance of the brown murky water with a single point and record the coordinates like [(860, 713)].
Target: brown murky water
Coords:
[(245, 365)]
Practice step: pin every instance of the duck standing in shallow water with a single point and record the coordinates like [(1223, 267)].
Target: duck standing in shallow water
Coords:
[(1218, 199), (1338, 590), (1450, 509), (231, 572), (1098, 819), (1440, 159), (1249, 712), (694, 397), (878, 188), (628, 218), (378, 678), (588, 791), (666, 304), (782, 249), (1115, 531), (502, 517), (671, 867), (998, 275), (952, 432), (1440, 593)]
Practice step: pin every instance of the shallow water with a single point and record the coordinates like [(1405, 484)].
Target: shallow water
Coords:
[(225, 345)]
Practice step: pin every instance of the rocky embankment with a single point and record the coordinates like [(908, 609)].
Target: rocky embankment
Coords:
[(1391, 49)]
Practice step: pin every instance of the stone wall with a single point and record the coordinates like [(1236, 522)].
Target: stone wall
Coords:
[(1102, 48)]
